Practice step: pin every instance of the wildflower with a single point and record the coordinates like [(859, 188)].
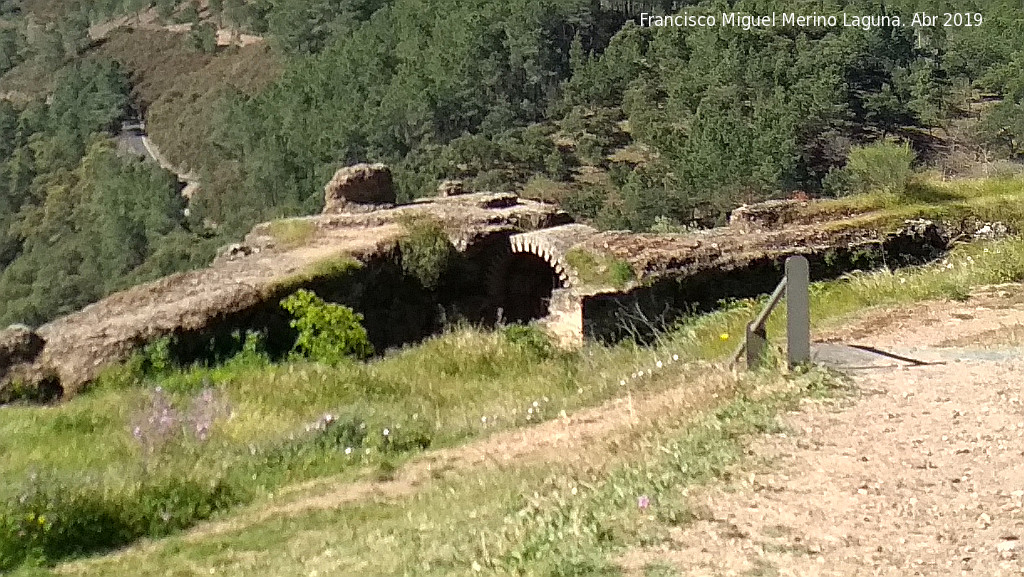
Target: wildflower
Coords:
[(575, 490), (536, 404), (622, 382), (483, 419), (658, 364), (724, 336), (675, 357), (348, 450), (387, 432), (640, 373), (643, 502)]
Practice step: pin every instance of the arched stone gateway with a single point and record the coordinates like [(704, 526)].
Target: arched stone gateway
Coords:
[(531, 267)]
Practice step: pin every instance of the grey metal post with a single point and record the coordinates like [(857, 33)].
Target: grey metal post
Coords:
[(757, 344), (798, 310)]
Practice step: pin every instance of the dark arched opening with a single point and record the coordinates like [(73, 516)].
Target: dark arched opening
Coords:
[(526, 284)]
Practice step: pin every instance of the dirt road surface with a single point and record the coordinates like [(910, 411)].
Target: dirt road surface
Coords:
[(919, 472)]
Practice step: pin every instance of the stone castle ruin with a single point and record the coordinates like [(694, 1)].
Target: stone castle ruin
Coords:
[(515, 260)]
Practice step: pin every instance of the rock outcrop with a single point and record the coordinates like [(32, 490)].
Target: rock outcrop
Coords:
[(360, 184)]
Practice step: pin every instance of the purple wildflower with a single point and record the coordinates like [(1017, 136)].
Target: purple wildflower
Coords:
[(155, 424), (158, 423), (643, 502), (206, 409)]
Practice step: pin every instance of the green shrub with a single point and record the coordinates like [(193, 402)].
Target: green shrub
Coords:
[(531, 339), (156, 358), (52, 520), (589, 150), (328, 333), (426, 252), (836, 183), (883, 166)]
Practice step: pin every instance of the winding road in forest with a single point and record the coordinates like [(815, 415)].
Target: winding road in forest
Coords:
[(133, 140)]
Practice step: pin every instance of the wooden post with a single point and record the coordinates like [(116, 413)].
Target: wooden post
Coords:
[(757, 343), (798, 310)]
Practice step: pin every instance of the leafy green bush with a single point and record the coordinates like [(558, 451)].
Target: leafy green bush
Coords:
[(328, 333), (156, 357), (531, 339), (426, 252), (52, 520), (836, 183), (883, 166)]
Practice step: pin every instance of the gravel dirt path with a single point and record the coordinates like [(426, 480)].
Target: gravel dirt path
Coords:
[(919, 472)]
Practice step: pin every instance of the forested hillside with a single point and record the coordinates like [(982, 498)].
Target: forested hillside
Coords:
[(569, 100)]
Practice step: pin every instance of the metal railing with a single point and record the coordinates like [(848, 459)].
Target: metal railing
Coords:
[(795, 285)]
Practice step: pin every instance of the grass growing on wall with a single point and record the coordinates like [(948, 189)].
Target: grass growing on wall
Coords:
[(600, 270)]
